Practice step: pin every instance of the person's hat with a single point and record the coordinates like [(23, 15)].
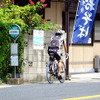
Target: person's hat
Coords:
[(60, 31)]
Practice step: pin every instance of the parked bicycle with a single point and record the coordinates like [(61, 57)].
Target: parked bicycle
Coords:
[(52, 70)]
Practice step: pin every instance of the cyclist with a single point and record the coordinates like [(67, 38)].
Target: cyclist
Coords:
[(54, 47)]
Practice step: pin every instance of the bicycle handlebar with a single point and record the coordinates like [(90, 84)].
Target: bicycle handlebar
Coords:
[(67, 55)]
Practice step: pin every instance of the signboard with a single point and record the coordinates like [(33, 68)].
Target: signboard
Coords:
[(38, 39), (14, 31), (14, 48), (14, 60)]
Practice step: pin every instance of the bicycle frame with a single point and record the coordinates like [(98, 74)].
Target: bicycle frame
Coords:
[(54, 72)]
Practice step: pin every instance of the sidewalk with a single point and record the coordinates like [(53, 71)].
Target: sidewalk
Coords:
[(86, 76), (5, 85), (82, 77)]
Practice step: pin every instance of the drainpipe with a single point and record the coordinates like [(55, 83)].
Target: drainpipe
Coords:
[(67, 36)]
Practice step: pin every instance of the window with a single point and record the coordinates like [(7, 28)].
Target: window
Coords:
[(71, 23), (21, 2), (25, 2), (97, 30)]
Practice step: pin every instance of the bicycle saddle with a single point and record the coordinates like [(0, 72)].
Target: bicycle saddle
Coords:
[(52, 58)]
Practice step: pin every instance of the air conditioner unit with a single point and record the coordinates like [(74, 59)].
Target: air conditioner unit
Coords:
[(97, 64)]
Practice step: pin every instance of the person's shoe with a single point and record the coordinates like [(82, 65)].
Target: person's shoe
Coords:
[(59, 77)]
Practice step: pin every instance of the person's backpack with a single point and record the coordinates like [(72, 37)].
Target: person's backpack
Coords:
[(54, 44)]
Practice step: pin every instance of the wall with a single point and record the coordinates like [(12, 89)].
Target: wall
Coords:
[(35, 68), (81, 59), (36, 60), (54, 13), (96, 49)]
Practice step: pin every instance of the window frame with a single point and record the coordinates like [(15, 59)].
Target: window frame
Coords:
[(96, 18)]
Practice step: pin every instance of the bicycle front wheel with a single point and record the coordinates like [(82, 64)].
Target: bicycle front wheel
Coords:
[(50, 73), (62, 73)]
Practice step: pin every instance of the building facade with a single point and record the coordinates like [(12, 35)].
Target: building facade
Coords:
[(82, 56)]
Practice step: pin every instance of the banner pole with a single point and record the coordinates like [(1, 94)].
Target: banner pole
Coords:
[(67, 37), (67, 34)]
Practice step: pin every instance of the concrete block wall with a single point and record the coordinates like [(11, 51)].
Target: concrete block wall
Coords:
[(36, 60), (80, 60)]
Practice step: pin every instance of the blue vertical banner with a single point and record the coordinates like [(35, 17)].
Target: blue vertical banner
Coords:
[(84, 21)]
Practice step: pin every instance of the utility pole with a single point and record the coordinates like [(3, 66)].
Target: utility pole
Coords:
[(67, 35)]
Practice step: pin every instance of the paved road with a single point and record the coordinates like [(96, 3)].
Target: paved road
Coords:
[(56, 91)]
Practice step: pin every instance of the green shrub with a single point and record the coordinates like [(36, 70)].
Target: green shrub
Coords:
[(5, 43), (26, 17), (0, 82)]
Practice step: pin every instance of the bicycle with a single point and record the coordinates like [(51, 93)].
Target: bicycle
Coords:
[(52, 70)]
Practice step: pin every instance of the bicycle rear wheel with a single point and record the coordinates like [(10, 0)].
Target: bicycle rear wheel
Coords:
[(50, 73), (63, 73)]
